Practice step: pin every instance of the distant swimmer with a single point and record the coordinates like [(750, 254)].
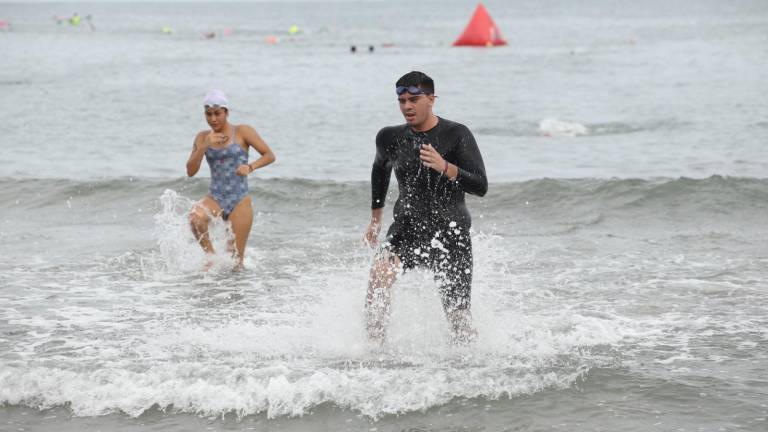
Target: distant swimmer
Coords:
[(436, 161), (225, 148)]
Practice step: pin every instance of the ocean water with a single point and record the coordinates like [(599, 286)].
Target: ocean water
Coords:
[(621, 253)]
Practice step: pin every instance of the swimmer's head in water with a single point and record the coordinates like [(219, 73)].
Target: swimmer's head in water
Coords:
[(216, 109), (415, 94)]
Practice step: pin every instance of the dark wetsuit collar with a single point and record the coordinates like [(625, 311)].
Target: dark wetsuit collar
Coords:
[(428, 131)]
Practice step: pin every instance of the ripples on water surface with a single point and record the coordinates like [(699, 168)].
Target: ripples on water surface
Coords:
[(594, 284)]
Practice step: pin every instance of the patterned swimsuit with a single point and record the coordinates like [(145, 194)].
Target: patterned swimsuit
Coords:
[(227, 188)]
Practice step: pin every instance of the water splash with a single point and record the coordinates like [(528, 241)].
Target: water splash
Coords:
[(559, 128), (179, 252)]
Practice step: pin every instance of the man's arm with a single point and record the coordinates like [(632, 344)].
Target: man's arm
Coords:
[(380, 174), (469, 169)]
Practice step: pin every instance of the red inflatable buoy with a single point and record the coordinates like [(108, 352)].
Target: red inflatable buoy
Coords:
[(481, 30)]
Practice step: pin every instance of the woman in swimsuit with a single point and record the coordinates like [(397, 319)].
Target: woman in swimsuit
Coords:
[(225, 148)]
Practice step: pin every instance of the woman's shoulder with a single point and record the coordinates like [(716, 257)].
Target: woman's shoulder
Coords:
[(243, 128)]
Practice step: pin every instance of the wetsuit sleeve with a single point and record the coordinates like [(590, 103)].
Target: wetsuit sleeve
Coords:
[(381, 172), (471, 176)]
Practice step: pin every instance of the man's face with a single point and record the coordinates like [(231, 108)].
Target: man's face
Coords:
[(416, 108), (216, 117)]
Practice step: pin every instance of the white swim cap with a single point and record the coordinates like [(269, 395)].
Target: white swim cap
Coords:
[(215, 98)]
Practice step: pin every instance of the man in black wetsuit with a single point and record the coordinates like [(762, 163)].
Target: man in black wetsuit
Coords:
[(435, 161)]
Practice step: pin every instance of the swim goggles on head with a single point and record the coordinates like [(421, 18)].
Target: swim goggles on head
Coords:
[(410, 89)]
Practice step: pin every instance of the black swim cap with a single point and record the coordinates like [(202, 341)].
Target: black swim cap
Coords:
[(418, 79)]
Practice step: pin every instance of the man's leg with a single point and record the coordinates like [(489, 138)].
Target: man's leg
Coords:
[(455, 294), (462, 330), (454, 276), (386, 267)]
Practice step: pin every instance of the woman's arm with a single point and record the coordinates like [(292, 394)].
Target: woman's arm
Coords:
[(199, 146), (252, 139)]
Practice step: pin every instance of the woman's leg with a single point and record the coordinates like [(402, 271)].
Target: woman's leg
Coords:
[(199, 218), (240, 221)]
